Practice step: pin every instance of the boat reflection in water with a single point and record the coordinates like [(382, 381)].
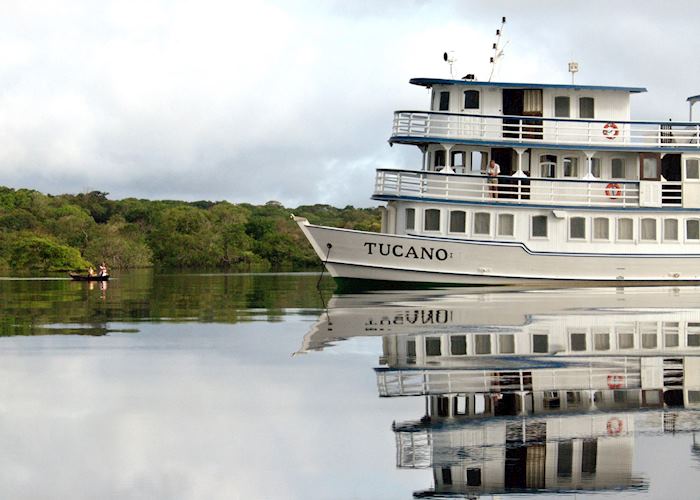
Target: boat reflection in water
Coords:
[(530, 391)]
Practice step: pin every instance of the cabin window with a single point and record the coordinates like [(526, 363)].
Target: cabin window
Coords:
[(539, 226), (458, 221), (432, 346), (458, 345), (471, 99), (505, 225), (692, 229), (692, 169), (432, 220), (625, 230), (410, 218), (670, 230), (562, 107), (439, 158), (570, 167), (586, 107), (618, 168), (625, 340), (595, 167), (482, 223), (444, 101), (601, 228), (577, 228), (648, 231), (411, 349), (548, 166)]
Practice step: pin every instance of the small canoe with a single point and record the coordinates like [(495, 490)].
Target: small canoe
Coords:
[(87, 277)]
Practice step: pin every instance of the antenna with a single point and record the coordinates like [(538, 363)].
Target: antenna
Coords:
[(449, 58), (573, 68), (497, 49)]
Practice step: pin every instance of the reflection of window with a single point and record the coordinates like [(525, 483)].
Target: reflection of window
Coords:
[(692, 229), (506, 344), (410, 218), (562, 107), (505, 224), (578, 341), (540, 343), (601, 228), (577, 228), (432, 346), (471, 99), (539, 226), (457, 221), (618, 168), (586, 107), (570, 167), (411, 348), (670, 229), (692, 169), (432, 220), (458, 345), (482, 344), (482, 223), (548, 166), (446, 476), (473, 477), (625, 229), (648, 232), (444, 101)]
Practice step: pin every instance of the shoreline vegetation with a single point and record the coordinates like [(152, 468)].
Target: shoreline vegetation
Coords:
[(68, 232)]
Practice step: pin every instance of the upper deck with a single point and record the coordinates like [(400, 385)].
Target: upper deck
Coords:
[(543, 115)]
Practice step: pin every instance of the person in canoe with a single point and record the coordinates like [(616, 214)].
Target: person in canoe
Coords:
[(103, 269), (91, 271)]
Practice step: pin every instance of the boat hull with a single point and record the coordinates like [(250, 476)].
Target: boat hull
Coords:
[(85, 277), (360, 255)]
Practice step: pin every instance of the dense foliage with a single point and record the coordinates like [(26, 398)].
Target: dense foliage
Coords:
[(65, 232)]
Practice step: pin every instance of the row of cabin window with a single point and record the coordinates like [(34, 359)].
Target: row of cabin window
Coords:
[(458, 222), (562, 104), (578, 226), (548, 167), (540, 343)]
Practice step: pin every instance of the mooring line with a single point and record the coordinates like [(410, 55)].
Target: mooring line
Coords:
[(323, 266)]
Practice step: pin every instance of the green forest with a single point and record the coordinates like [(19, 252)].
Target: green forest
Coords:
[(40, 232)]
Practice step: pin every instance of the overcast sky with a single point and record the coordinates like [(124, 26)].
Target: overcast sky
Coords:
[(288, 100)]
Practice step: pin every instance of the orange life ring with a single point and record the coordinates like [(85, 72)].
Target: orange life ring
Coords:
[(615, 426), (611, 130), (613, 190), (616, 381)]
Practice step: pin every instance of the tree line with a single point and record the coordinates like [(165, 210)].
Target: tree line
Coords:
[(71, 232)]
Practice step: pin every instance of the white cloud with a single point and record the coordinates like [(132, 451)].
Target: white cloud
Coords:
[(250, 101)]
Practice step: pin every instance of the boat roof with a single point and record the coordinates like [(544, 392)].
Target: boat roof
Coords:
[(693, 98), (429, 82)]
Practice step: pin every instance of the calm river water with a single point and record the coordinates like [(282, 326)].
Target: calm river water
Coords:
[(192, 386)]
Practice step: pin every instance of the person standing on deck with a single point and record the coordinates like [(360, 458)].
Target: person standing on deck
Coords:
[(493, 171)]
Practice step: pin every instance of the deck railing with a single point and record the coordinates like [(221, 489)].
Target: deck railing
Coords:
[(559, 131), (534, 191)]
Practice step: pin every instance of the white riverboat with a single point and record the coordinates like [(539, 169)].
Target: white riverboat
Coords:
[(584, 193)]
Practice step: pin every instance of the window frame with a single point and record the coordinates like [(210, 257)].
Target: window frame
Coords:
[(663, 235), (617, 230), (449, 222), (478, 99), (580, 100), (612, 168), (593, 224), (474, 219), (440, 100), (548, 163), (406, 219), (685, 229), (425, 220), (568, 99), (641, 231), (532, 227), (685, 169), (585, 229), (573, 161), (498, 225)]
